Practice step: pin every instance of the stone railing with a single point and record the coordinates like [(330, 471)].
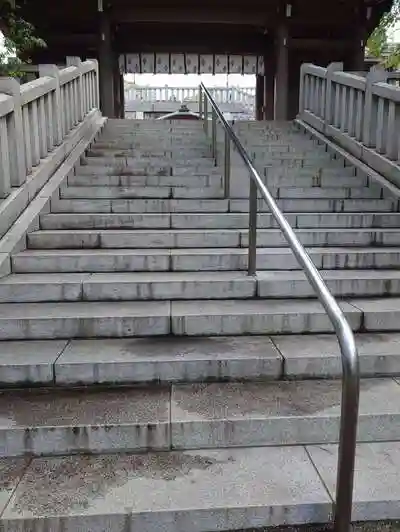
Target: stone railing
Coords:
[(181, 94), (36, 117), (359, 112)]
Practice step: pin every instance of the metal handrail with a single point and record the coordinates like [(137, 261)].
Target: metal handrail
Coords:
[(345, 336)]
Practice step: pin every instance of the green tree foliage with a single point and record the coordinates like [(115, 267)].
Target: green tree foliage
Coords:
[(19, 40), (378, 44)]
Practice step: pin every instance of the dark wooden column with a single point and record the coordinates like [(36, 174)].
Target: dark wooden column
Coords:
[(259, 96), (122, 93), (355, 60), (269, 86), (117, 88), (106, 64), (282, 72)]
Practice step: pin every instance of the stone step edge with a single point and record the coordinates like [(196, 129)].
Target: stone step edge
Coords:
[(168, 238), (191, 417), (49, 363), (161, 286), (304, 499)]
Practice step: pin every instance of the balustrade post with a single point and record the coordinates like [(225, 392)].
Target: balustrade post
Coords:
[(252, 251), (5, 173), (206, 115), (302, 95), (332, 68), (200, 102), (227, 166), (214, 135), (76, 62), (96, 103), (15, 133), (57, 107), (375, 75)]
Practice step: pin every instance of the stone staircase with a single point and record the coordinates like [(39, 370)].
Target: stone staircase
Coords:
[(137, 276)]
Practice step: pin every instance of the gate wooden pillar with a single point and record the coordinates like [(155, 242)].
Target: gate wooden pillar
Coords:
[(117, 88), (269, 86), (282, 72), (122, 93), (259, 96), (106, 64), (355, 60)]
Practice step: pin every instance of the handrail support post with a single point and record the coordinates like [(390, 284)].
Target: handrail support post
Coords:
[(252, 251), (214, 135), (347, 445), (200, 102), (205, 116), (227, 166)]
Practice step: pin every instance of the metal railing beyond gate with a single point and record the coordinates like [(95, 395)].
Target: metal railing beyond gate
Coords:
[(345, 336)]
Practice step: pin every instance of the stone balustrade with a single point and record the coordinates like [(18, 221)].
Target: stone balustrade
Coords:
[(360, 112), (36, 117), (244, 95)]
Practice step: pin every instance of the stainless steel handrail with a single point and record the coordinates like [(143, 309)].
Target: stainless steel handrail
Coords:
[(345, 336)]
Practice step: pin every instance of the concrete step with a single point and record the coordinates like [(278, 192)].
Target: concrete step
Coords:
[(316, 182), (193, 416), (177, 152), (127, 286), (116, 124), (311, 157), (143, 143), (205, 259), (95, 192), (198, 259), (327, 237), (190, 359), (168, 132), (135, 162), (200, 491), (306, 153), (348, 283), (270, 158), (181, 238), (297, 220), (156, 133), (112, 192), (170, 238), (320, 205), (45, 321), (159, 181), (298, 149), (252, 414), (316, 172), (200, 181), (142, 286), (141, 205), (311, 164), (115, 152), (203, 318), (155, 205), (101, 260), (216, 318), (225, 220), (346, 192), (146, 169), (162, 134), (106, 221)]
